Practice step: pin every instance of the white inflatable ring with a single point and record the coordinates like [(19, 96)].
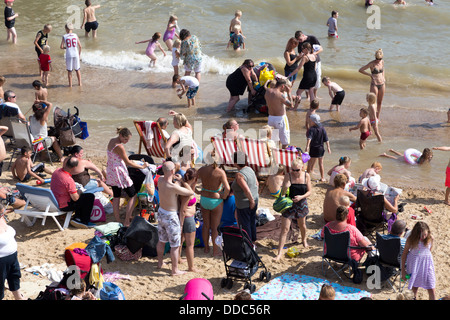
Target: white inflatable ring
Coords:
[(412, 155)]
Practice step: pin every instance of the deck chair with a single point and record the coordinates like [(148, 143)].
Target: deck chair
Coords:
[(40, 204), (259, 157), (6, 114), (336, 248), (151, 137), (369, 214), (284, 157), (22, 137), (388, 256)]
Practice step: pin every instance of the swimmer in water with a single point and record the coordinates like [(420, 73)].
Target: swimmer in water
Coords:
[(426, 156)]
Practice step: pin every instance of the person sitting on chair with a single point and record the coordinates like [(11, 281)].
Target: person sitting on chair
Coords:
[(372, 186), (397, 231), (356, 237), (332, 197)]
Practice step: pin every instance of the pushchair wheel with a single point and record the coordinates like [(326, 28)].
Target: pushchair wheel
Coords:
[(250, 287), (226, 282), (265, 274), (268, 276)]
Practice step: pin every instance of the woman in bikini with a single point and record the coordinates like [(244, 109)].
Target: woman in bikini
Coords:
[(298, 183), (215, 188), (187, 217), (378, 84)]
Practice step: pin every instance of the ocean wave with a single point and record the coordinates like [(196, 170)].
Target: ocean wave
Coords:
[(132, 61)]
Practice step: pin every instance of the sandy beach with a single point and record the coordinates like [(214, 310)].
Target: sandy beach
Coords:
[(38, 245)]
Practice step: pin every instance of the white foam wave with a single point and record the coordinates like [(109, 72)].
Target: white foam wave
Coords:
[(132, 61)]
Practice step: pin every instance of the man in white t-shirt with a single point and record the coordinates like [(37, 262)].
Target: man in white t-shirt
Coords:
[(10, 101), (71, 43)]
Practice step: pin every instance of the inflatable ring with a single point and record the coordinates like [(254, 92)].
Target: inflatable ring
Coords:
[(412, 155)]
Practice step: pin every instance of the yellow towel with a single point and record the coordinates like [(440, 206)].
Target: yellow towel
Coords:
[(96, 277)]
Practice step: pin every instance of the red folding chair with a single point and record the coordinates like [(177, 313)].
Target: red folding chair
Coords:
[(284, 157), (153, 147)]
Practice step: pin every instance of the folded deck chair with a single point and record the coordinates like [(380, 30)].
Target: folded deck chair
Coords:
[(40, 204), (258, 156), (151, 137), (284, 157)]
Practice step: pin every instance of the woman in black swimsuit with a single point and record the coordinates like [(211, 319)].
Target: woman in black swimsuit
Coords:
[(291, 59), (308, 62), (298, 182), (378, 83), (240, 80)]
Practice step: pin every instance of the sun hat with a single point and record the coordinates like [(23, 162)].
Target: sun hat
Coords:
[(372, 183)]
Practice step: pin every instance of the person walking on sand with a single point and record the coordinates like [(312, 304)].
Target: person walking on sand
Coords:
[(169, 229), (89, 19), (371, 99)]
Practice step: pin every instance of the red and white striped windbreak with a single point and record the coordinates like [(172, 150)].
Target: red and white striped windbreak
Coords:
[(284, 157), (257, 151), (224, 149)]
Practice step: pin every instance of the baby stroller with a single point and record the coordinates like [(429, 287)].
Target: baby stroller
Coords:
[(238, 246)]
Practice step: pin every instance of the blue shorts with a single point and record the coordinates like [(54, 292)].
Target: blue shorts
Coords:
[(190, 94)]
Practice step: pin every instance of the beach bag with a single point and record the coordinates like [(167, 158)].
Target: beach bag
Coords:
[(98, 213), (76, 257), (282, 204), (66, 137), (111, 291), (124, 254), (84, 130), (38, 144)]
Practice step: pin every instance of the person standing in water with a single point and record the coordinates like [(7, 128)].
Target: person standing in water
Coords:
[(89, 20)]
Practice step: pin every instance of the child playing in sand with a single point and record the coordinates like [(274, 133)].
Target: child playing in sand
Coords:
[(236, 21), (189, 85), (342, 167), (71, 43), (313, 106), (374, 169), (275, 181), (152, 44), (316, 137), (41, 93), (89, 19), (371, 99), (363, 126), (417, 260), (236, 39), (2, 82), (23, 168), (170, 32), (10, 21), (175, 58), (337, 94), (45, 62), (332, 25)]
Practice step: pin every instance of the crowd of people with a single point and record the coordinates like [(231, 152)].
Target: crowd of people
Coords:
[(235, 201)]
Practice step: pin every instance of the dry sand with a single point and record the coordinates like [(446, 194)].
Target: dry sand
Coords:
[(39, 244)]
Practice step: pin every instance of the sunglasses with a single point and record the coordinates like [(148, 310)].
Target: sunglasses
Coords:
[(250, 66), (296, 170)]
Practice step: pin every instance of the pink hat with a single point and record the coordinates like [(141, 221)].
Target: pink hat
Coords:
[(6, 1)]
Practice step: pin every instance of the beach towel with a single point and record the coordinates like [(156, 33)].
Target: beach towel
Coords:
[(301, 287), (272, 229), (149, 133)]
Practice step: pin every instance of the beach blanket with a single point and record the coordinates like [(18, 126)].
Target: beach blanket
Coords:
[(301, 287), (272, 229)]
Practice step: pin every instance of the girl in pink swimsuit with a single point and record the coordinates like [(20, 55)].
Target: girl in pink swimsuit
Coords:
[(152, 44), (170, 32)]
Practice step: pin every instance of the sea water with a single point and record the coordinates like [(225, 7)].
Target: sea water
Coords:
[(119, 86)]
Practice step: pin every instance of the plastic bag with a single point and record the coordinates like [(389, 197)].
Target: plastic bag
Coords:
[(265, 75), (149, 184)]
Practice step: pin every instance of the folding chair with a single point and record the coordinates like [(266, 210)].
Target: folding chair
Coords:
[(369, 214), (40, 204), (336, 249), (22, 137), (151, 136), (388, 256), (284, 157)]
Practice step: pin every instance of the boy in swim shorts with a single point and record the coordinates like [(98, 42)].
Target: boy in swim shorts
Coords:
[(337, 94), (189, 85), (364, 127), (89, 20), (71, 43)]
